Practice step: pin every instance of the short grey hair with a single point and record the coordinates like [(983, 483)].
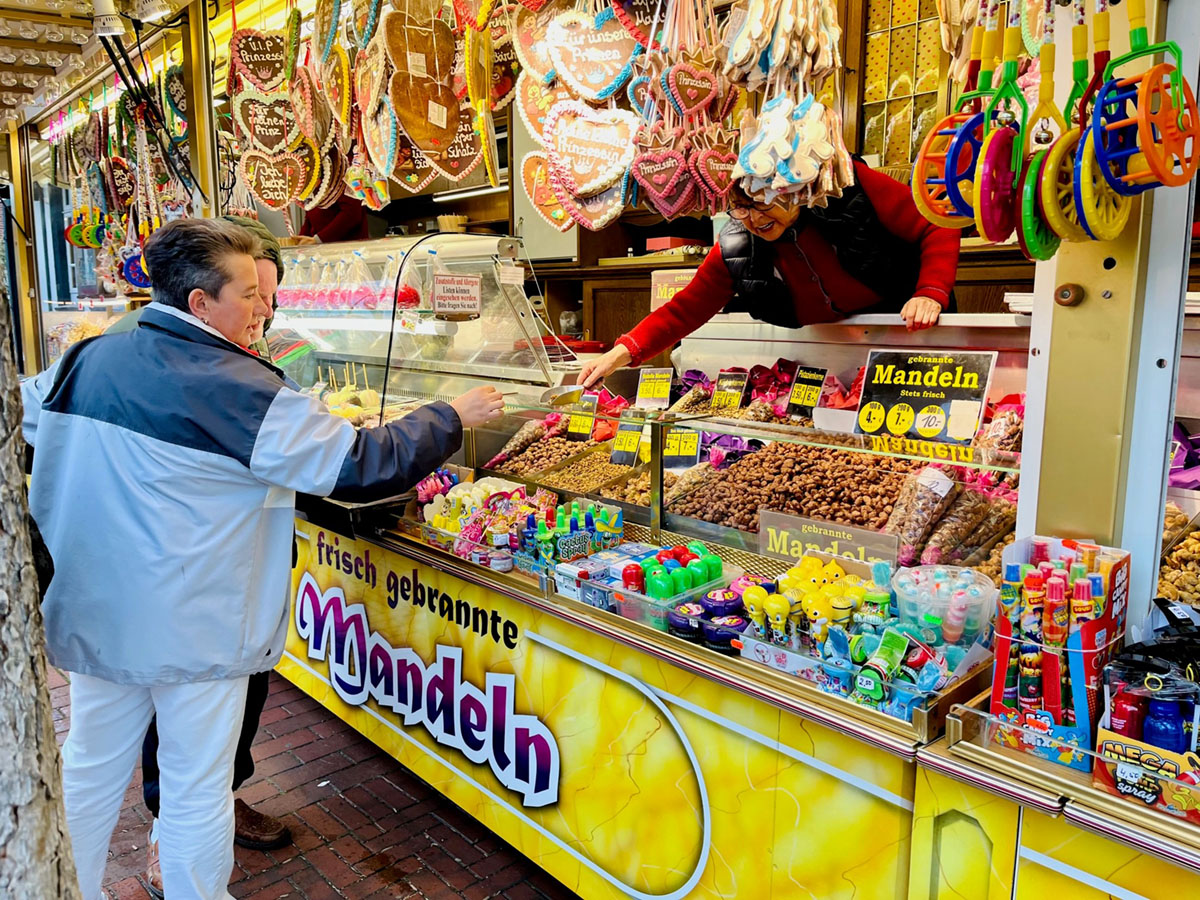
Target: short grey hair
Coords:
[(192, 253)]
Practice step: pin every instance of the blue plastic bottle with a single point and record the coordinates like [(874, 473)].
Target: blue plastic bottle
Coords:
[(1163, 727)]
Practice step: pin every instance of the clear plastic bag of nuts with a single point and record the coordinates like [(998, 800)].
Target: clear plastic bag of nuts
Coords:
[(1000, 519), (963, 516), (935, 492)]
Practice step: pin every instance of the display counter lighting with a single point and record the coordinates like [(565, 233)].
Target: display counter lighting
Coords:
[(450, 196), (152, 10), (105, 21)]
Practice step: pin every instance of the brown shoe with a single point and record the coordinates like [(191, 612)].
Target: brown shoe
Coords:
[(153, 869), (256, 831)]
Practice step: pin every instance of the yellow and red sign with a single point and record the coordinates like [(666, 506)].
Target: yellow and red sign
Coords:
[(620, 775)]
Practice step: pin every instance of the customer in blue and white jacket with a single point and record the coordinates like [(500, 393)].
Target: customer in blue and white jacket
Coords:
[(166, 463)]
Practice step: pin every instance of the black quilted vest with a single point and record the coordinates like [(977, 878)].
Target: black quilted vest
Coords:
[(864, 247)]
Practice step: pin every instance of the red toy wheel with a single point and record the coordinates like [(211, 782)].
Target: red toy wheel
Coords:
[(996, 187)]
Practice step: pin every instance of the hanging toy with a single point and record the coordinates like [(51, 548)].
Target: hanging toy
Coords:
[(1146, 128), (963, 149), (1103, 213), (1003, 150), (1037, 239)]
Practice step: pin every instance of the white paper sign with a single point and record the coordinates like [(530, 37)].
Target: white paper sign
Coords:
[(458, 294)]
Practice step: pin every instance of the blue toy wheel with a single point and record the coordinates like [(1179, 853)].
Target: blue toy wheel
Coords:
[(962, 156), (1115, 134)]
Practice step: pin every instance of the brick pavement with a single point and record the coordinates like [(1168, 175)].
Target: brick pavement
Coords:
[(364, 826)]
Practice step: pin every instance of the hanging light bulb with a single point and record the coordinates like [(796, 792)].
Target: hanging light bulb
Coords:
[(7, 56), (53, 59), (105, 20), (81, 35), (29, 80), (152, 10), (30, 58), (28, 30), (5, 28), (8, 79), (54, 33)]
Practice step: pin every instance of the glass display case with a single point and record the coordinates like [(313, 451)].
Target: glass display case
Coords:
[(556, 501)]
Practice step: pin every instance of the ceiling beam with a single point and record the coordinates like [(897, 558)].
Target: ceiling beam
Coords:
[(67, 48), (44, 18), (47, 71), (17, 89)]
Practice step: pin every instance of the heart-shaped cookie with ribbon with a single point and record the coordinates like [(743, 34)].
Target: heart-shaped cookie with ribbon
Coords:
[(465, 151), (122, 179), (535, 178), (310, 156), (176, 91), (337, 84), (505, 67), (419, 50), (534, 100), (379, 136), (413, 171), (530, 40), (712, 161), (638, 92), (637, 17), (692, 88), (427, 111), (681, 199), (325, 25), (371, 75), (595, 212), (259, 57), (659, 168), (364, 19), (265, 121), (589, 149), (275, 181), (310, 106), (594, 56)]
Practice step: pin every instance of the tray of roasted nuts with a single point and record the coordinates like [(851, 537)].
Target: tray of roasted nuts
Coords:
[(633, 487), (542, 455), (585, 473)]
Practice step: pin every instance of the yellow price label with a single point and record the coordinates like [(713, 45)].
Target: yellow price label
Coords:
[(805, 394), (900, 418), (581, 424), (931, 421), (726, 400), (871, 416), (627, 441), (656, 386)]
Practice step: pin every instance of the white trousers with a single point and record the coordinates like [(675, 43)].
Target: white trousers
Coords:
[(198, 727)]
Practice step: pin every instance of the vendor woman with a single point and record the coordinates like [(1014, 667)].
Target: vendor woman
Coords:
[(868, 251)]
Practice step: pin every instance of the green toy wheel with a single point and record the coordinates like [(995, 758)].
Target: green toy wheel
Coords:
[(1037, 239)]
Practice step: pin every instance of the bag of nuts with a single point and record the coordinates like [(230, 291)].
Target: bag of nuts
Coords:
[(935, 492), (1000, 519), (963, 516)]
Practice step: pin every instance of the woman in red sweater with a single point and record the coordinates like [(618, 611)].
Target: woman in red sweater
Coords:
[(868, 251)]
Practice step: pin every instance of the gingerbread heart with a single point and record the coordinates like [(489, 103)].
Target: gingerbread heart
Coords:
[(533, 5), (464, 152), (176, 91), (420, 50), (535, 177), (310, 106), (265, 121), (122, 179), (637, 17), (534, 100), (530, 36), (337, 84), (364, 18), (325, 25), (589, 148), (259, 57), (291, 50), (595, 212), (427, 111), (379, 136), (310, 156), (638, 92), (680, 200), (659, 170), (370, 75), (275, 181), (505, 67), (412, 171), (594, 56), (713, 166), (692, 88)]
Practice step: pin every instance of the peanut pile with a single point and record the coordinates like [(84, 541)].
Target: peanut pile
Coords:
[(585, 475), (1179, 574), (637, 489), (542, 455)]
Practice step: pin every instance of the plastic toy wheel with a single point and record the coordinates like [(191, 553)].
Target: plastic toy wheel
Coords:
[(962, 157), (1172, 151), (74, 235), (996, 187), (1115, 128), (1057, 189), (1037, 239), (929, 178), (1103, 212)]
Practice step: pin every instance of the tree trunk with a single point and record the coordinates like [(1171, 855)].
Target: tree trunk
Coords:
[(35, 852)]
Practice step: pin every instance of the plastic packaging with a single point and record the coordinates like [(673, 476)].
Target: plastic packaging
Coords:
[(960, 520), (935, 492)]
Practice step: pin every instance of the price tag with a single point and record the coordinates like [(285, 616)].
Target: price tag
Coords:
[(627, 441), (806, 392), (681, 448), (583, 417), (457, 295), (929, 395), (727, 395), (514, 275), (654, 388)]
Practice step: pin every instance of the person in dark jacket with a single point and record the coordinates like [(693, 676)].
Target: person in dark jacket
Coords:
[(868, 251)]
